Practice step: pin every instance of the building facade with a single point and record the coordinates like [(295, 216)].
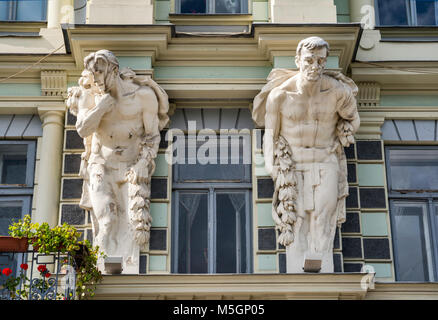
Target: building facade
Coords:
[(212, 233)]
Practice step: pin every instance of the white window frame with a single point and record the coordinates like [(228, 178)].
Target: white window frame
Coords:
[(210, 7), (411, 8)]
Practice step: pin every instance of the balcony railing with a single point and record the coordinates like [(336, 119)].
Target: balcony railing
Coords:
[(34, 276)]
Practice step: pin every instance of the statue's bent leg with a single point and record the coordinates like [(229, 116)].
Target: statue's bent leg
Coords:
[(104, 208)]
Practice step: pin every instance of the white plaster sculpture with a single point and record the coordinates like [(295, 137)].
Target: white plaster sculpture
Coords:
[(119, 115), (309, 116)]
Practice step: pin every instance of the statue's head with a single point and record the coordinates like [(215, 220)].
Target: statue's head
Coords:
[(105, 68), (311, 57)]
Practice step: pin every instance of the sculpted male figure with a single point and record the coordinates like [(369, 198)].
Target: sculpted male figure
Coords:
[(122, 127), (309, 116)]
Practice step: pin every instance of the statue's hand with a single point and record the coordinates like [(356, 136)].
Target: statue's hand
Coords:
[(345, 132), (139, 173), (106, 101)]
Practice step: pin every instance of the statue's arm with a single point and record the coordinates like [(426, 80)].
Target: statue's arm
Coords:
[(141, 172), (350, 120), (88, 120), (272, 123)]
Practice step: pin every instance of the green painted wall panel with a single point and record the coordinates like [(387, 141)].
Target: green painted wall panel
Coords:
[(264, 215), (159, 214), (211, 72), (383, 270), (20, 89), (374, 224), (157, 263), (289, 62), (260, 165), (260, 11), (370, 175), (342, 7), (162, 10), (135, 63), (161, 166), (412, 100), (267, 262)]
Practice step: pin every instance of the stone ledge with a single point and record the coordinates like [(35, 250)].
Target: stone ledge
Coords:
[(404, 291), (233, 286)]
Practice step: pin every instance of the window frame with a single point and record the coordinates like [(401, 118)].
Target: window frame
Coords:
[(210, 8), (411, 14), (431, 200), (212, 189), (30, 168)]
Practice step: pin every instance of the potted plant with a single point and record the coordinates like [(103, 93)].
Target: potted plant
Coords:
[(63, 239)]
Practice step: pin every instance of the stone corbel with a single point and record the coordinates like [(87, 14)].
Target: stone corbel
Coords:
[(369, 94), (53, 83), (370, 126)]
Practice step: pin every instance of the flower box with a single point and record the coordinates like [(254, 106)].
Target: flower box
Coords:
[(11, 244)]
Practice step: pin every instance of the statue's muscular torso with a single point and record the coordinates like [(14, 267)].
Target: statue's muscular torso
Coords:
[(122, 129)]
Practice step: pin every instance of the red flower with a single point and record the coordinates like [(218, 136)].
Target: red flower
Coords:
[(48, 274), (24, 266), (7, 271), (42, 268)]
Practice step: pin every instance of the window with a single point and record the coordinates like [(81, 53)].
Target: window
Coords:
[(212, 6), (211, 220), (407, 12), (23, 10), (413, 194), (17, 161)]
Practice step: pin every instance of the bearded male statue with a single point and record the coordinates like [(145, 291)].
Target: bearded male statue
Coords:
[(119, 115), (309, 117)]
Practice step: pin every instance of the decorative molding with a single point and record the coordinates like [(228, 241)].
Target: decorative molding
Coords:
[(210, 19), (53, 83), (248, 286), (409, 291), (369, 94)]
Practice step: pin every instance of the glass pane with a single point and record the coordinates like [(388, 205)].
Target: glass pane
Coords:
[(4, 10), (414, 169), (31, 10), (411, 236), (13, 159), (193, 233), (193, 6), (9, 211), (393, 12), (228, 6), (426, 12), (231, 233), (218, 160)]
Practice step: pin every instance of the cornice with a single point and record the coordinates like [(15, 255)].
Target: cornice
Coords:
[(243, 286)]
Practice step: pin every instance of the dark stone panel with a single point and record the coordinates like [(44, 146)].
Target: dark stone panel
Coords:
[(72, 214), (71, 119), (372, 198), (349, 152), (376, 248), (163, 142), (73, 140), (336, 241), (259, 138), (282, 263), (352, 177), (337, 262), (267, 240), (90, 236), (352, 267), (158, 240), (352, 200), (72, 163), (265, 188), (72, 189), (369, 150), (352, 223), (143, 264), (280, 246), (352, 247), (159, 188)]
